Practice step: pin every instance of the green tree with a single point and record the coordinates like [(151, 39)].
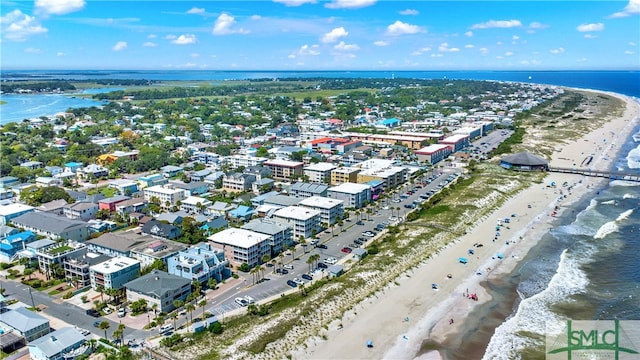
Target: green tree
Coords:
[(104, 325), (190, 307), (262, 152), (202, 304), (212, 283)]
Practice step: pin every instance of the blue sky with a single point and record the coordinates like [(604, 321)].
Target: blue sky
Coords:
[(320, 35)]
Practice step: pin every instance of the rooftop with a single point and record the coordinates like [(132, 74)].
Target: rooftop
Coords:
[(350, 188), (157, 283), (321, 202), (242, 238), (23, 319), (114, 264), (286, 163), (321, 166), (296, 212), (427, 150), (58, 341), (308, 187), (265, 226), (14, 208)]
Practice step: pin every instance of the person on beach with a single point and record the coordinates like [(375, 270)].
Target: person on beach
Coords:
[(450, 321)]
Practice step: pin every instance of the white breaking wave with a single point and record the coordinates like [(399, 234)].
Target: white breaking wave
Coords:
[(633, 158), (534, 314), (610, 202), (612, 226), (629, 196)]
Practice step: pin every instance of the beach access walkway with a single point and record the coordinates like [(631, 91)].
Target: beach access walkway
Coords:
[(612, 175)]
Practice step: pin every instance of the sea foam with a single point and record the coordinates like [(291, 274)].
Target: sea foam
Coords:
[(534, 314)]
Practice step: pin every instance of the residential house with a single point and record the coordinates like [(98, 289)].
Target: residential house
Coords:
[(280, 235), (305, 190), (64, 343), (114, 273), (162, 230), (155, 250), (124, 186), (259, 200), (343, 175), (51, 256), (7, 181), (80, 210), (213, 225), (355, 196), (199, 175), (285, 170), (111, 202), (262, 185), (44, 181), (242, 213), (117, 243), (236, 161), (166, 195), (199, 263), (220, 208), (92, 171), (133, 205), (31, 165), (305, 222), (331, 210), (76, 268), (73, 167), (281, 200), (173, 218), (12, 211), (319, 172), (159, 288), (237, 181), (170, 171), (242, 246), (193, 188), (195, 205), (213, 178), (11, 244), (52, 226), (151, 180), (53, 207), (25, 322)]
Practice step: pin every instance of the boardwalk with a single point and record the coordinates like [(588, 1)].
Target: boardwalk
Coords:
[(612, 175)]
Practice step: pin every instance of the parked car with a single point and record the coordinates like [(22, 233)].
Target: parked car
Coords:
[(289, 267), (97, 323), (306, 277), (249, 299), (359, 222), (322, 266), (282, 271), (298, 281), (321, 246), (241, 301), (358, 241), (93, 312), (330, 260), (107, 310), (346, 249), (122, 312), (291, 283), (164, 329)]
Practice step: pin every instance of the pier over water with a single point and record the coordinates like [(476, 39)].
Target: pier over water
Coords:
[(612, 175)]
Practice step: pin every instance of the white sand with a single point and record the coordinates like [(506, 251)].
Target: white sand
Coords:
[(382, 319)]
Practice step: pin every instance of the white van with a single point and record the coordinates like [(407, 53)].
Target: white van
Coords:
[(166, 328)]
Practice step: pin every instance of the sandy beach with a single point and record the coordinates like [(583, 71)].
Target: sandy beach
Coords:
[(407, 312)]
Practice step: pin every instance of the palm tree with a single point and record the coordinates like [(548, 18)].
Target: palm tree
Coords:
[(190, 307), (174, 316), (265, 258), (104, 325), (310, 261), (100, 289), (315, 258), (202, 304), (253, 272), (118, 333), (177, 304)]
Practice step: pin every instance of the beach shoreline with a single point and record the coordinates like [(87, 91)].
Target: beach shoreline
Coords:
[(399, 321)]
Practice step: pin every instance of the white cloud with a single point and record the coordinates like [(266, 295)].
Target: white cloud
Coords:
[(349, 4), (537, 26), (557, 51), (195, 10), (194, 55), (629, 52), (223, 25), (420, 51), (341, 46), (631, 43), (380, 43), (17, 26), (60, 54), (255, 17), (484, 51), (185, 39), (468, 34), (152, 36), (401, 28), (632, 8), (334, 35), (306, 50), (515, 37), (508, 53), (436, 55), (409, 12), (590, 36), (170, 37), (119, 46), (149, 44), (590, 27), (499, 57), (31, 50), (294, 2), (469, 46), (497, 24), (59, 7), (444, 47)]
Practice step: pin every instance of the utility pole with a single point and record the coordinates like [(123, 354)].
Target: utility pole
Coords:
[(31, 294)]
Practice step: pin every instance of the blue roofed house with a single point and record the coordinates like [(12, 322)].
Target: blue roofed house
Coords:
[(124, 186), (389, 123), (12, 244), (64, 343), (73, 166), (199, 263), (152, 180), (242, 212), (215, 224), (25, 322)]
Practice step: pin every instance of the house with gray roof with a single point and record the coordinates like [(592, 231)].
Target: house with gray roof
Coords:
[(307, 190), (160, 229), (27, 323), (80, 211), (65, 343), (279, 234), (160, 288), (53, 226), (155, 249), (281, 200), (53, 207), (117, 243)]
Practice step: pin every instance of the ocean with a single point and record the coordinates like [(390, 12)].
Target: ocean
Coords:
[(20, 107)]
